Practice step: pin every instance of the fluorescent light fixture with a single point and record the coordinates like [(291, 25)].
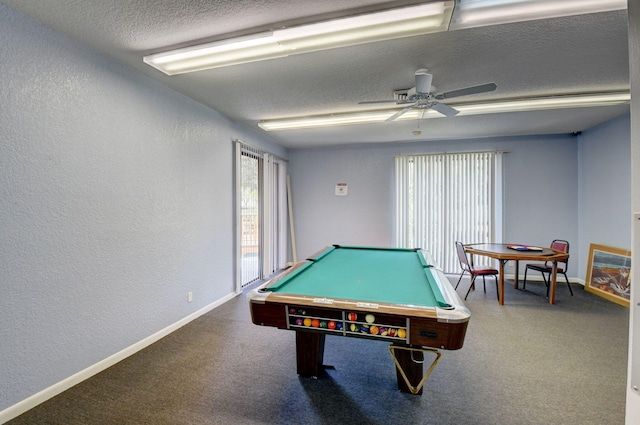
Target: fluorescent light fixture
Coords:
[(349, 31), (516, 105), (478, 13)]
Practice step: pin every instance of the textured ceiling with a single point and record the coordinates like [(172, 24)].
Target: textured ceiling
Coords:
[(570, 55)]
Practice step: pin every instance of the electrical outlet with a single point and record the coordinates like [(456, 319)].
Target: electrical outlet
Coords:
[(189, 296)]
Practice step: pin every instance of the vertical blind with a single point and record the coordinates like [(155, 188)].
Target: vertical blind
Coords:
[(443, 198), (272, 211)]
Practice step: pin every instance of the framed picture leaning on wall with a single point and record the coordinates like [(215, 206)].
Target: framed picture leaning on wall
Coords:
[(609, 273)]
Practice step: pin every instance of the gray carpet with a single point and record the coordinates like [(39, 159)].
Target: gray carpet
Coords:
[(526, 362)]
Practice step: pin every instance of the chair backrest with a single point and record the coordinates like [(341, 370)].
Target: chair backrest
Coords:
[(561, 245), (462, 256)]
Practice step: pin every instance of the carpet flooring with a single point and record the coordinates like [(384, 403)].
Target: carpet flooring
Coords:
[(526, 362)]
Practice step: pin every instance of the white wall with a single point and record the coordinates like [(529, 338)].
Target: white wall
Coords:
[(115, 201), (605, 187), (633, 396)]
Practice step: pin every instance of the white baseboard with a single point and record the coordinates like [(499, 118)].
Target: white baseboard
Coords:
[(52, 391)]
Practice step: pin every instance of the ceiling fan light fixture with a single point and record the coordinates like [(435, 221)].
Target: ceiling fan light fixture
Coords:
[(366, 28), (478, 13), (516, 105)]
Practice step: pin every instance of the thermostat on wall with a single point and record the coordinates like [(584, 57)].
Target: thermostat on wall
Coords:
[(341, 189)]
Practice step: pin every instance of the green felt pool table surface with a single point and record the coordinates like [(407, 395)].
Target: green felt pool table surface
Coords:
[(377, 275)]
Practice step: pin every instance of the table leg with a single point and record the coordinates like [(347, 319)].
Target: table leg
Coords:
[(309, 353), (552, 288), (409, 360), (411, 364), (501, 283), (515, 275)]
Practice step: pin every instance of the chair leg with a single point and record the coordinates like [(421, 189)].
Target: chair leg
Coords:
[(524, 283), (484, 284), (567, 280), (473, 278), (497, 290), (459, 279)]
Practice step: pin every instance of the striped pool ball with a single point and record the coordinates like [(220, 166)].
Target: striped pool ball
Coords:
[(383, 331), (392, 332), (370, 318), (364, 329), (353, 317), (373, 330), (353, 327)]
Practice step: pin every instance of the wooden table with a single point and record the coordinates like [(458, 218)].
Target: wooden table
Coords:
[(502, 253)]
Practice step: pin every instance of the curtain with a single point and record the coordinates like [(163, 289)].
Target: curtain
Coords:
[(443, 198), (270, 219)]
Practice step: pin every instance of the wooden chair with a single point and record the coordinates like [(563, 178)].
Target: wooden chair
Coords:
[(546, 268), (474, 271)]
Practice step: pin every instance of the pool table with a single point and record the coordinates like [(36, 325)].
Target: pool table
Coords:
[(386, 294)]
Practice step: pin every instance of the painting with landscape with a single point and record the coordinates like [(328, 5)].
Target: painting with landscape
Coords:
[(609, 273)]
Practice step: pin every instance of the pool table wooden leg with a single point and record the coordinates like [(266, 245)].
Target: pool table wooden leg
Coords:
[(309, 353), (411, 362), (409, 370)]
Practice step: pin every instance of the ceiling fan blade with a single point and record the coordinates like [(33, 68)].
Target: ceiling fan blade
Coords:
[(423, 81), (482, 88), (445, 110), (400, 112)]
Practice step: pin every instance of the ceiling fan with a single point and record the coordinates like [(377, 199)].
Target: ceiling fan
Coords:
[(423, 96)]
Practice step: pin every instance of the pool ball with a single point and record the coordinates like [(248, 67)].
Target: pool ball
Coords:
[(323, 324), (383, 331), (307, 322), (353, 327), (374, 330), (392, 332), (352, 316), (364, 329), (370, 318), (299, 321), (331, 324), (302, 312), (315, 323), (401, 333), (292, 311), (339, 326)]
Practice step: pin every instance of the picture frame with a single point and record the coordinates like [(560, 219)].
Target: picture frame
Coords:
[(609, 273)]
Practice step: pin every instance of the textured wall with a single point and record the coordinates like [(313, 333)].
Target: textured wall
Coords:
[(605, 189), (115, 201), (633, 396)]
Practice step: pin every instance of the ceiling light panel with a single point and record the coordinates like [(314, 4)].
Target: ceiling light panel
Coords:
[(517, 105), (478, 13), (367, 28)]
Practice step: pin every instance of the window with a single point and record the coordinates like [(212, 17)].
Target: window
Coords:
[(260, 214), (443, 198)]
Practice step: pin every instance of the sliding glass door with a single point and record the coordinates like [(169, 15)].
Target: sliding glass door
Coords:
[(261, 214)]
